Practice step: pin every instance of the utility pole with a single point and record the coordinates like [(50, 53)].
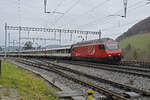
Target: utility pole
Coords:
[(86, 37), (19, 36), (60, 37), (71, 36), (28, 35), (55, 35), (45, 9), (5, 40), (8, 41), (125, 7), (13, 44), (45, 3), (100, 33)]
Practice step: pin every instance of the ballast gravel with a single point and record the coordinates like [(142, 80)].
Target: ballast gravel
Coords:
[(72, 85), (131, 80), (127, 79)]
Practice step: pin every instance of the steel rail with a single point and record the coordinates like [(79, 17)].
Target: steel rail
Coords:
[(109, 68), (110, 94), (120, 67), (115, 84), (141, 64)]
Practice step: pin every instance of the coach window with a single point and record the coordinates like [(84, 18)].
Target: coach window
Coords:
[(70, 50), (101, 47)]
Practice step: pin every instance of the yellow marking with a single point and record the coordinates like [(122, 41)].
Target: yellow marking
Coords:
[(90, 94), (90, 97), (90, 91)]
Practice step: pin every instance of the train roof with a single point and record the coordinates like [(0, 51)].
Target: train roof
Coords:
[(68, 47), (60, 48), (94, 41)]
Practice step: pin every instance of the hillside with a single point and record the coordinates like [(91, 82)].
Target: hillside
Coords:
[(136, 47), (139, 28)]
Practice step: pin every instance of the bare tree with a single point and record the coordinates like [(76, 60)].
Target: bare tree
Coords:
[(28, 45)]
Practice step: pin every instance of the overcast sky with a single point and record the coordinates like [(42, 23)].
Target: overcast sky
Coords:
[(87, 15)]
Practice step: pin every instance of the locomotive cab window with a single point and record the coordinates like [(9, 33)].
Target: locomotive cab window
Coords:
[(112, 46), (101, 47)]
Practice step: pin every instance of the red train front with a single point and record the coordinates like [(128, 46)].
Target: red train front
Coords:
[(106, 50)]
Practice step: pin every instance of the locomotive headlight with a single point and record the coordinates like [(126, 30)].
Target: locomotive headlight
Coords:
[(109, 55)]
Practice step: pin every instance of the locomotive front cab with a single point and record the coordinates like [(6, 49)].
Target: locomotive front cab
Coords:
[(112, 51)]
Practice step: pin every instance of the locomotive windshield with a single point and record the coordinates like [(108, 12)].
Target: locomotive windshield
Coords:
[(111, 46)]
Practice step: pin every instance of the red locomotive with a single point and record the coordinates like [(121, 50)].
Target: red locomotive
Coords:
[(106, 50)]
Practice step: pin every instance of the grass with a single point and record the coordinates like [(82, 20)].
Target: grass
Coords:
[(140, 47), (139, 41), (28, 85)]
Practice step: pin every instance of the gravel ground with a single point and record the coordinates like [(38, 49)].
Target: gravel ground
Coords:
[(66, 82), (113, 76), (130, 80), (96, 82)]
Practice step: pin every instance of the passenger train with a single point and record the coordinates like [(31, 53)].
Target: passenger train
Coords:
[(100, 50)]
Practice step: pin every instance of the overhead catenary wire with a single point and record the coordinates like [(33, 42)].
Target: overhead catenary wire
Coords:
[(97, 6), (92, 9), (112, 14), (67, 11), (124, 25), (59, 5), (135, 7), (113, 27), (19, 12), (102, 18)]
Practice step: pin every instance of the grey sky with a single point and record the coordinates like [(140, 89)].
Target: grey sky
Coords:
[(85, 15)]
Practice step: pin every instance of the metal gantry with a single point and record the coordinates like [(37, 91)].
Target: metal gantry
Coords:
[(60, 31), (50, 30)]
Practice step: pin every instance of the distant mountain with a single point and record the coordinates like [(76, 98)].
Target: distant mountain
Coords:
[(139, 28)]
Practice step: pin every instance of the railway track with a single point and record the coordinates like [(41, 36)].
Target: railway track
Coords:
[(136, 64), (110, 94), (58, 68), (115, 68)]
